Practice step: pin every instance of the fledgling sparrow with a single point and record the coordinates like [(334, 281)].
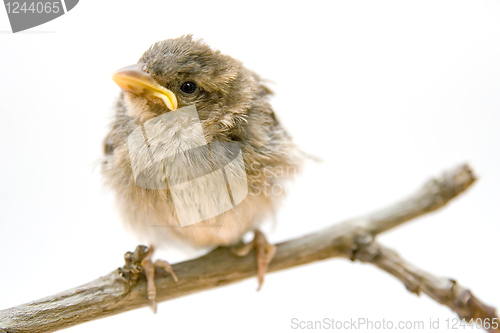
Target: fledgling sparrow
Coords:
[(233, 107)]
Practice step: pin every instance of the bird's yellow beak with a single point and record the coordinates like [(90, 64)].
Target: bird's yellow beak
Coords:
[(134, 79)]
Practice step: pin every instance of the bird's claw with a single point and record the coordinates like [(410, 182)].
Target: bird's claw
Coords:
[(149, 270), (140, 261), (264, 250)]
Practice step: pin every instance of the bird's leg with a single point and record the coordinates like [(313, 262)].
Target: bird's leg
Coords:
[(265, 253), (149, 270)]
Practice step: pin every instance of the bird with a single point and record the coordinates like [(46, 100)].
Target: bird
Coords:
[(232, 109)]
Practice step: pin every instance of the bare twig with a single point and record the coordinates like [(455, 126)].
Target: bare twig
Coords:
[(443, 290), (125, 289)]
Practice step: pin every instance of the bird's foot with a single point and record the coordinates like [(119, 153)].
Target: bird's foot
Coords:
[(149, 271), (138, 263), (265, 253)]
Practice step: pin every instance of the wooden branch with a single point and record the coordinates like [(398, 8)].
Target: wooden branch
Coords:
[(125, 288), (444, 291)]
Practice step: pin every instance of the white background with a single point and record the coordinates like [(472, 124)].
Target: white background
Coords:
[(388, 93)]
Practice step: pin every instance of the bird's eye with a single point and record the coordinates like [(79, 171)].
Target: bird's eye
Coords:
[(188, 87)]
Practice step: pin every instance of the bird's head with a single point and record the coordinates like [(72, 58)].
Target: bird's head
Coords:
[(178, 72)]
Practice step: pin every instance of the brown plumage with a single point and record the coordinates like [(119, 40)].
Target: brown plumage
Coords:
[(233, 106)]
